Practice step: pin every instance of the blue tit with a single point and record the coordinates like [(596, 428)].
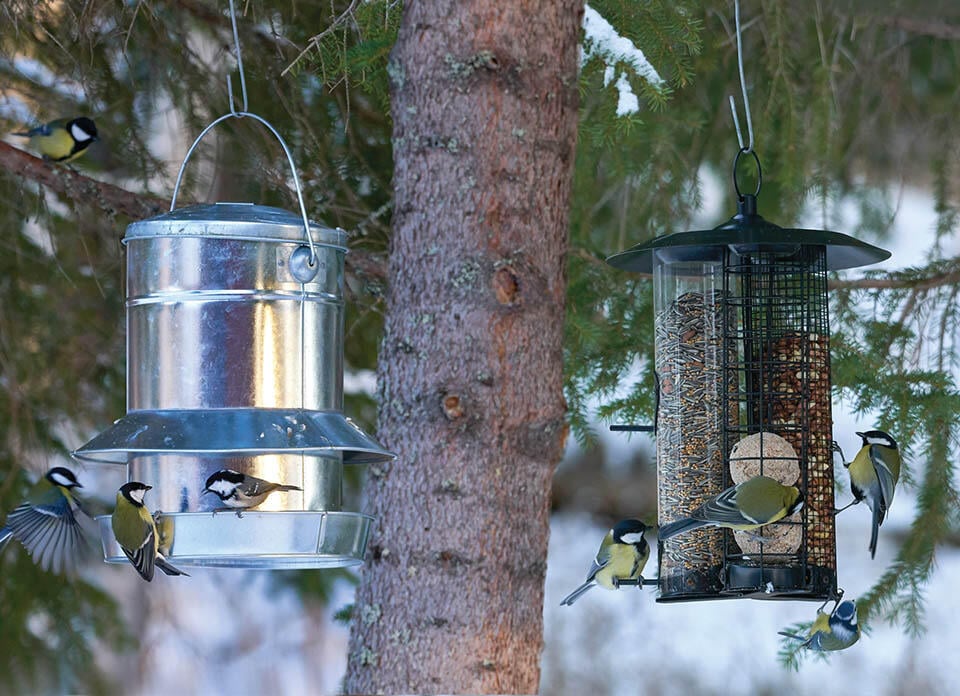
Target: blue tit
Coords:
[(241, 491), (874, 473), (45, 523), (136, 531), (62, 140), (746, 506), (836, 631), (623, 554)]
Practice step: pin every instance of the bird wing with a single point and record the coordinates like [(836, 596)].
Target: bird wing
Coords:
[(48, 529), (722, 510), (144, 556), (886, 477), (44, 130), (256, 487), (602, 559), (137, 537)]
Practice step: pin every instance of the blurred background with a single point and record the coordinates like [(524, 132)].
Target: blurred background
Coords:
[(854, 109)]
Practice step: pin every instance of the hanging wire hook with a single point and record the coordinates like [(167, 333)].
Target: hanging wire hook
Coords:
[(243, 79), (313, 258), (743, 89)]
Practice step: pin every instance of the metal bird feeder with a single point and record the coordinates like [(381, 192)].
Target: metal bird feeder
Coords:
[(742, 357), (235, 361)]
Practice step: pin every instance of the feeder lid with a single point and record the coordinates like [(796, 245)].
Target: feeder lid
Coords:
[(233, 432), (745, 233), (243, 221)]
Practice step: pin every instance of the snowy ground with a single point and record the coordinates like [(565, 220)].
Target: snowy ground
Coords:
[(608, 643), (625, 643)]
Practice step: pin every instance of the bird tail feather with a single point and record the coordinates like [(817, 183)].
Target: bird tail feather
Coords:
[(791, 635), (875, 529), (576, 594), (288, 488), (164, 565), (679, 527)]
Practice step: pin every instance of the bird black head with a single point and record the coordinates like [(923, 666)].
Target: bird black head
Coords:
[(83, 130), (629, 531), (228, 475), (877, 437), (61, 476), (133, 491), (846, 612)]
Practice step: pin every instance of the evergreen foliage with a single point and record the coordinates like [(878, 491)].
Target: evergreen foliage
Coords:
[(849, 109)]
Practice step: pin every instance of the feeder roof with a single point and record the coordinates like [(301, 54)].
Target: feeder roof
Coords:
[(746, 233), (242, 221), (233, 432)]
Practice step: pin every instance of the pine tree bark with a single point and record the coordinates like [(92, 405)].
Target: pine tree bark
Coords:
[(484, 100)]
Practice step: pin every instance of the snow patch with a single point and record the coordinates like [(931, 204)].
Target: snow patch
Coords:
[(602, 41)]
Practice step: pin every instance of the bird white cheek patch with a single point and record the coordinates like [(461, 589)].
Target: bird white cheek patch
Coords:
[(79, 134), (61, 480)]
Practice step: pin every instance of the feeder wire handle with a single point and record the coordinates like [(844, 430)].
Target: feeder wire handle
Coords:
[(748, 148), (233, 113)]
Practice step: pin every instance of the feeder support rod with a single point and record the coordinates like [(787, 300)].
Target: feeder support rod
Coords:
[(243, 79), (743, 88)]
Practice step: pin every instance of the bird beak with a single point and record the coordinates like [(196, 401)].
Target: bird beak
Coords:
[(859, 434), (205, 490), (148, 487)]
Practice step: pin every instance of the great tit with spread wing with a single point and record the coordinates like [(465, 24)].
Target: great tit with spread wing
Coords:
[(623, 554), (62, 140), (874, 473), (746, 506), (45, 522), (136, 532)]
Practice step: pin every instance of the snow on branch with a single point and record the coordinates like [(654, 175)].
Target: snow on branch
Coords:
[(603, 41)]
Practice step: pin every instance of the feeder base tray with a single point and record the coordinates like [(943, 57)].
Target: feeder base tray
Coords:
[(264, 540)]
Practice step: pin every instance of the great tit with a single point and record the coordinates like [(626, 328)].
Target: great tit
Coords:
[(241, 491), (623, 554), (836, 631), (62, 140), (748, 505), (45, 523), (874, 473), (136, 531)]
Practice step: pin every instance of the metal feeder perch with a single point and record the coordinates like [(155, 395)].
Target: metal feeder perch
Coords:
[(235, 361), (742, 355)]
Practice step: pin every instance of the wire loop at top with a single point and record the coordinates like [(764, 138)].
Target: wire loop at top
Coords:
[(286, 151), (736, 161)]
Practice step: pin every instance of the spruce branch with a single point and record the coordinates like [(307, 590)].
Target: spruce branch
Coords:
[(949, 276), (112, 200), (925, 27), (79, 187), (314, 41)]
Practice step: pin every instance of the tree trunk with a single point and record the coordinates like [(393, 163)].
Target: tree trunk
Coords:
[(470, 374)]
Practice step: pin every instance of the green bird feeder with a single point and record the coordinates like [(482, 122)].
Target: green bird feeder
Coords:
[(742, 358)]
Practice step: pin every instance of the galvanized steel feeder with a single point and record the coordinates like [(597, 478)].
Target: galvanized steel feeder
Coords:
[(742, 356), (235, 361)]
